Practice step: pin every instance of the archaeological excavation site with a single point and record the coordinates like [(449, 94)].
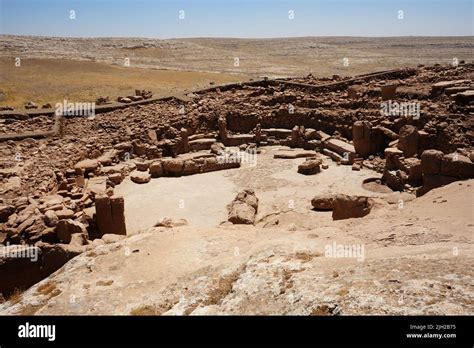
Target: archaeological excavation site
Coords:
[(306, 196)]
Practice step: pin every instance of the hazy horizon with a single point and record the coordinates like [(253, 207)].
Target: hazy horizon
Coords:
[(249, 19), (243, 38)]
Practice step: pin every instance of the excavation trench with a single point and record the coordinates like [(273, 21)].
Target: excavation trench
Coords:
[(201, 199)]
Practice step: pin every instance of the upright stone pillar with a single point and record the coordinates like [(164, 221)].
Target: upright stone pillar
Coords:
[(103, 215), (295, 136), (117, 206), (258, 134), (361, 138), (222, 123), (185, 140), (110, 215)]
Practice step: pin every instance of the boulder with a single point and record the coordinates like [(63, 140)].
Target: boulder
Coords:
[(243, 208), (140, 177), (248, 196), (139, 148), (66, 228), (78, 240), (116, 178), (103, 100), (431, 161), (394, 179), (201, 144), (64, 214), (141, 165), (334, 156), (347, 207), (156, 169), (5, 212), (107, 158), (310, 167), (31, 105), (323, 202), (408, 140), (457, 165), (55, 256), (87, 165), (50, 218), (124, 100), (242, 213)]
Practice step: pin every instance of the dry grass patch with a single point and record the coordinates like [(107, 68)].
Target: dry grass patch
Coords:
[(53, 80)]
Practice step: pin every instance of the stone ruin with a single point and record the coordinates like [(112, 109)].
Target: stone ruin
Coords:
[(57, 188)]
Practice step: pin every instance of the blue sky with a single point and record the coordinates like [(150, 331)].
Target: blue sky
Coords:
[(236, 18)]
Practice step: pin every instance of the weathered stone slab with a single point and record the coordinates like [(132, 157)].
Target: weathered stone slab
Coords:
[(339, 146), (291, 154)]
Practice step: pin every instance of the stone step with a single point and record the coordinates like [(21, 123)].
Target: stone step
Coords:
[(201, 144)]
